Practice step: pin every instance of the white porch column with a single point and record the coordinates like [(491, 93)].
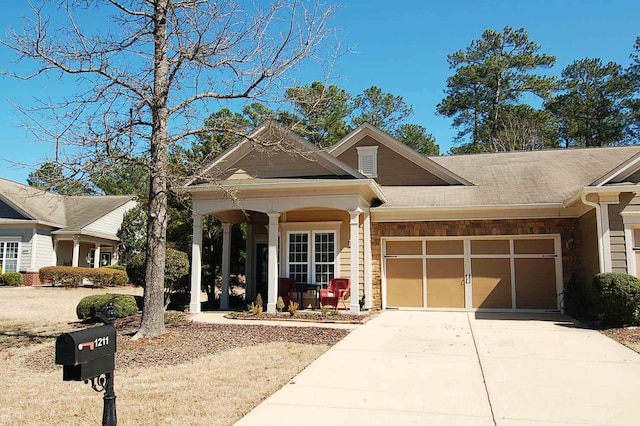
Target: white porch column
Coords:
[(55, 251), (367, 260), (76, 252), (250, 285), (355, 257), (226, 264), (34, 248), (606, 236), (631, 255), (273, 262), (96, 256), (196, 264)]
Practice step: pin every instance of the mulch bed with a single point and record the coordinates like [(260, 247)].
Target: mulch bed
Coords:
[(185, 341), (628, 336), (306, 316)]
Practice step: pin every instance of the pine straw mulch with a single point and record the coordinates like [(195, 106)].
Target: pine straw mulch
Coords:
[(186, 340), (628, 336), (332, 317)]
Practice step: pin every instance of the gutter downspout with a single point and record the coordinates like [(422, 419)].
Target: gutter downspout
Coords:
[(583, 197)]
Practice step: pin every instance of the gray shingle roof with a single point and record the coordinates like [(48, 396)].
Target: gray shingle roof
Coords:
[(67, 213), (531, 177)]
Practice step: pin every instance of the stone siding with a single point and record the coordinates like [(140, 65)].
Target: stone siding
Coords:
[(567, 228)]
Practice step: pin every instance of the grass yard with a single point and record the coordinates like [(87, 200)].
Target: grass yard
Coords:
[(209, 374)]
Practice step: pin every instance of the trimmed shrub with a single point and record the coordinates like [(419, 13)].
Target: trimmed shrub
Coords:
[(118, 267), (64, 276), (12, 279), (106, 277), (176, 273), (89, 306), (615, 298), (69, 276)]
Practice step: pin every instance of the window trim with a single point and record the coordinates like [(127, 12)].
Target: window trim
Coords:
[(311, 229), (6, 240)]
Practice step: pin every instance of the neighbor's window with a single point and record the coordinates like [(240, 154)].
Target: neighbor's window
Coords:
[(312, 251), (9, 256)]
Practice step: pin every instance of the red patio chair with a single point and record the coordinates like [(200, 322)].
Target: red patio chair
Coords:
[(336, 291)]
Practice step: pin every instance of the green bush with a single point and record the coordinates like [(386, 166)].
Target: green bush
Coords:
[(615, 298), (69, 276), (89, 306), (13, 279), (176, 273)]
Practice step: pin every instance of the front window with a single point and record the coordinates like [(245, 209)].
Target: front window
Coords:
[(312, 256), (9, 256)]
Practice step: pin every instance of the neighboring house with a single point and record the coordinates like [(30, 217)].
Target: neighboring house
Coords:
[(39, 228), (502, 231)]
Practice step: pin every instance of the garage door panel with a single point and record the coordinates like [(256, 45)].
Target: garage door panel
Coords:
[(536, 283), (534, 246), (445, 283), (404, 247), (404, 283), (491, 285)]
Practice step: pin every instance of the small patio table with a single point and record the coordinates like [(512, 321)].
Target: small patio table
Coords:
[(302, 288)]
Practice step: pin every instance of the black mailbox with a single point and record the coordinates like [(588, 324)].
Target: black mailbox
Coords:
[(88, 353)]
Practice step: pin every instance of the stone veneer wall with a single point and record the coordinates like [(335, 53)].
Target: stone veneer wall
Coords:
[(567, 228)]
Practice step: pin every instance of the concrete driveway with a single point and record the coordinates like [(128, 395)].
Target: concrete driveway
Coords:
[(458, 368)]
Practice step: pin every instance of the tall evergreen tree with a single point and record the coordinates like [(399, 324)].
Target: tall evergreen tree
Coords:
[(382, 110), (592, 105), (491, 74)]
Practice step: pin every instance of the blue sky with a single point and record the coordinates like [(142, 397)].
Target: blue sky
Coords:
[(400, 46)]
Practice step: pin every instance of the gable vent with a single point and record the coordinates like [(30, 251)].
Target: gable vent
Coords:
[(368, 160)]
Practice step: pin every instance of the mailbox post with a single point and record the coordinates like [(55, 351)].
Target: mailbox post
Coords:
[(90, 355)]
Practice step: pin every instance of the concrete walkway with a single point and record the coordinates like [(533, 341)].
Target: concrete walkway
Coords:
[(455, 368)]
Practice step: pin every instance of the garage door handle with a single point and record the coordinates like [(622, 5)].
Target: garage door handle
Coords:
[(549, 256)]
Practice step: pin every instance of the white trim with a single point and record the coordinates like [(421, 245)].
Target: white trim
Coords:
[(368, 284), (606, 236), (629, 243), (599, 231), (6, 240), (196, 264), (622, 171), (34, 247), (311, 263)]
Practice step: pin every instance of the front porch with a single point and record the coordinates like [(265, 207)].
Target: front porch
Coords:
[(308, 233), (84, 251)]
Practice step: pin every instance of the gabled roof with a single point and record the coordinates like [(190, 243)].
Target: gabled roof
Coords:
[(35, 204), (514, 178), (620, 172), (297, 145), (68, 213), (390, 142)]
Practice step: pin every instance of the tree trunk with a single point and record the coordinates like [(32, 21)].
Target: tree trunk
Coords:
[(153, 313)]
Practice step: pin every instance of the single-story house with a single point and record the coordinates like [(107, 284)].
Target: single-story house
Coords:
[(39, 228), (497, 231)]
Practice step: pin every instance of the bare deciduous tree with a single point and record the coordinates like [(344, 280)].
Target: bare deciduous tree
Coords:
[(142, 74)]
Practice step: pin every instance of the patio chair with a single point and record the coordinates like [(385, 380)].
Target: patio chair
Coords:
[(336, 291), (287, 290)]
